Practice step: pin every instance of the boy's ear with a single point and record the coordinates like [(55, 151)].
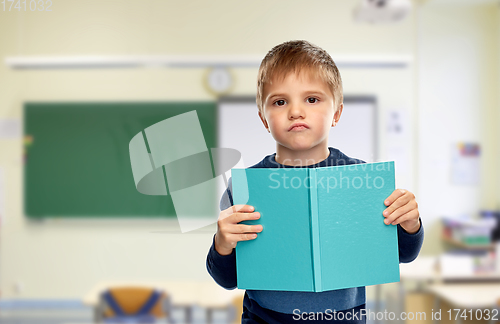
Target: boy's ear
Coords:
[(337, 114), (264, 122)]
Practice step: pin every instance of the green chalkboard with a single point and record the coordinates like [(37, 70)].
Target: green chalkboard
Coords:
[(77, 162)]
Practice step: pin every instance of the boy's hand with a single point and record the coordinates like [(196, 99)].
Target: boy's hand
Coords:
[(229, 232), (403, 210)]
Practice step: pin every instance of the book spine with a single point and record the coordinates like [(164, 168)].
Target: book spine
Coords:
[(316, 262)]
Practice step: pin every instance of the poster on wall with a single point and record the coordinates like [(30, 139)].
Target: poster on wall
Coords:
[(398, 137), (465, 164)]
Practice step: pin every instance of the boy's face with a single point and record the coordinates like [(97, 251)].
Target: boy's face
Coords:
[(299, 99)]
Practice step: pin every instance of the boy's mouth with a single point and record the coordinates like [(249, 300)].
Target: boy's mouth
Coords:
[(298, 127)]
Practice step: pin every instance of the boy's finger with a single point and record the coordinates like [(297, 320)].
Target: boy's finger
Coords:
[(398, 212), (243, 237), (400, 201), (412, 214), (238, 229), (394, 195), (235, 209), (239, 217), (241, 208)]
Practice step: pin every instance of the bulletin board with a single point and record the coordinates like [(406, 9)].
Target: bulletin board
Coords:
[(76, 157)]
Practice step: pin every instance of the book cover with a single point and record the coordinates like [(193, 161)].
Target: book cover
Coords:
[(323, 228)]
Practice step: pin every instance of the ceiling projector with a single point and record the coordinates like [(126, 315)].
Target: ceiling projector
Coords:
[(382, 11)]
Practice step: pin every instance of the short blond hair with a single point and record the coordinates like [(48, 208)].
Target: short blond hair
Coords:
[(293, 56)]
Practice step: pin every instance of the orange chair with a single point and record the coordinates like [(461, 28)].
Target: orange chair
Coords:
[(238, 309), (133, 305)]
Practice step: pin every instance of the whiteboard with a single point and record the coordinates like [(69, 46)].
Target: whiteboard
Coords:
[(240, 128)]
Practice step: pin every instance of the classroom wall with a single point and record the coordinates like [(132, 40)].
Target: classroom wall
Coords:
[(496, 136), (64, 258), (458, 98)]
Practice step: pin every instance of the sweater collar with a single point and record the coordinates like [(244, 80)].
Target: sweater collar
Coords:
[(331, 160)]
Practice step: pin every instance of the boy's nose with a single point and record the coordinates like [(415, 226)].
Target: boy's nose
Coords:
[(296, 111)]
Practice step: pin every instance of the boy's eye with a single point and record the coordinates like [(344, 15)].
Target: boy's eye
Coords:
[(279, 102)]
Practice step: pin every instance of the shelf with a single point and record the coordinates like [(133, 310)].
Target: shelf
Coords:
[(468, 246)]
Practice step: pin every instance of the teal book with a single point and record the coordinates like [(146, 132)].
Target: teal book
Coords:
[(323, 228)]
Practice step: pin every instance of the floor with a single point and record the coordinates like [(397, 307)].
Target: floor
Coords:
[(73, 312), (80, 315)]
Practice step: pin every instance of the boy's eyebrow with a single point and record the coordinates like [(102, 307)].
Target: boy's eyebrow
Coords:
[(275, 95), (304, 93)]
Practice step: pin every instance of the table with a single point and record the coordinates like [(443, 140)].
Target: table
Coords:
[(185, 294), (423, 270), (464, 292), (467, 295)]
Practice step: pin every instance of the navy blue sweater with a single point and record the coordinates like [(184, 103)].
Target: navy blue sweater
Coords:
[(223, 267)]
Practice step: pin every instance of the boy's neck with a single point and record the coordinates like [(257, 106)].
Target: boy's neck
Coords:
[(311, 156)]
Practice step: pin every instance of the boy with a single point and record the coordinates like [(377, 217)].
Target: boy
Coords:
[(299, 96)]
